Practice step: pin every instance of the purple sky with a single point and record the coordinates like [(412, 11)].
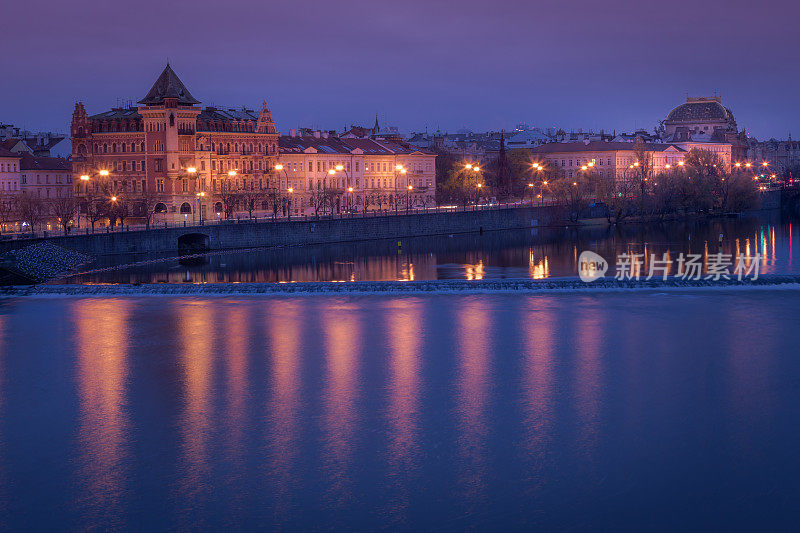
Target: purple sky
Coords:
[(484, 65)]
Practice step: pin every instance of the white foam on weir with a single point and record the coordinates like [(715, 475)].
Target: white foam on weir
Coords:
[(493, 286)]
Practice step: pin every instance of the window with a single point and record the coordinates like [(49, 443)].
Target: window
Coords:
[(160, 185), (184, 185)]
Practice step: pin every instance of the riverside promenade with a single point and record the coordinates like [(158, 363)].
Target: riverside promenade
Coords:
[(248, 233)]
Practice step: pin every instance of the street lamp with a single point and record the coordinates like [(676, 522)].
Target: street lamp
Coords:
[(408, 196), (200, 195), (104, 172)]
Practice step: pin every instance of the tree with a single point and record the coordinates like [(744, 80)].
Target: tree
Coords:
[(703, 171), (31, 209), (642, 170), (617, 195), (8, 208), (249, 199), (65, 210), (572, 193), (145, 205)]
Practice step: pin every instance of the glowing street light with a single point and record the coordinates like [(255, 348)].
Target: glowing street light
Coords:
[(85, 177), (680, 163), (104, 172), (468, 166), (278, 167), (113, 198), (191, 170), (231, 173), (339, 167)]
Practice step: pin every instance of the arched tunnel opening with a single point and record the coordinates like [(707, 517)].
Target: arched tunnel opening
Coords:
[(192, 243)]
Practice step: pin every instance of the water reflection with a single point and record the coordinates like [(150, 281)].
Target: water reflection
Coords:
[(404, 327), (589, 338), (342, 333), (547, 252), (284, 321), (539, 348), (102, 343), (473, 333), (195, 359)]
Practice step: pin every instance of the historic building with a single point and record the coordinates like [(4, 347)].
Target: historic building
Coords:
[(10, 175), (609, 159), (703, 122), (325, 173), (45, 177), (170, 156)]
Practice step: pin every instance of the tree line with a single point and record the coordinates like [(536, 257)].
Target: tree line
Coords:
[(702, 183)]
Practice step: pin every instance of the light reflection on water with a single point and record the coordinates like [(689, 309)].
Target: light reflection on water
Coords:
[(102, 343), (535, 253), (409, 412)]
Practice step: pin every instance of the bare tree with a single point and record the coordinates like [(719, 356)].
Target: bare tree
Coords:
[(65, 210), (8, 208), (642, 170), (32, 210)]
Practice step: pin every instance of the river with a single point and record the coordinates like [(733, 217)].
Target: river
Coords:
[(641, 410)]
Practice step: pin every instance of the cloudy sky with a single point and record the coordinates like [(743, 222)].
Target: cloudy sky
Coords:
[(609, 64)]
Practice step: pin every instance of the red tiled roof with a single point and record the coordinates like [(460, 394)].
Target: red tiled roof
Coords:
[(56, 164)]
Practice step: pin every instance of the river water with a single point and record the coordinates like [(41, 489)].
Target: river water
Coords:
[(635, 410), (535, 253)]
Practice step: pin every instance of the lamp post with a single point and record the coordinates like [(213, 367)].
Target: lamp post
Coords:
[(476, 169), (408, 197), (401, 170), (280, 168), (290, 190), (191, 171), (200, 195)]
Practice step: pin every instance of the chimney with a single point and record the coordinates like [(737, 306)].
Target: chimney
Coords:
[(292, 133), (317, 134)]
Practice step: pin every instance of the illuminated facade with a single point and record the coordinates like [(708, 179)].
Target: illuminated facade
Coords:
[(328, 173), (171, 157), (611, 159), (168, 155)]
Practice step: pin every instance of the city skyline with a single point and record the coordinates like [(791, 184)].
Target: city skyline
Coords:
[(416, 68)]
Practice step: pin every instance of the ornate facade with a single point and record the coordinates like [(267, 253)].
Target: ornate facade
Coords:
[(170, 156)]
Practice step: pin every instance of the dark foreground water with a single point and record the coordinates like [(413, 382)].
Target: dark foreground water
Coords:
[(634, 410), (514, 254)]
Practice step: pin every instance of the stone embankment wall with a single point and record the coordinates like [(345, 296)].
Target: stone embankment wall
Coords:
[(246, 234)]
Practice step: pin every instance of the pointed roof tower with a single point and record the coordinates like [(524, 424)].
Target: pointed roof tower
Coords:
[(265, 123), (169, 85), (376, 128)]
